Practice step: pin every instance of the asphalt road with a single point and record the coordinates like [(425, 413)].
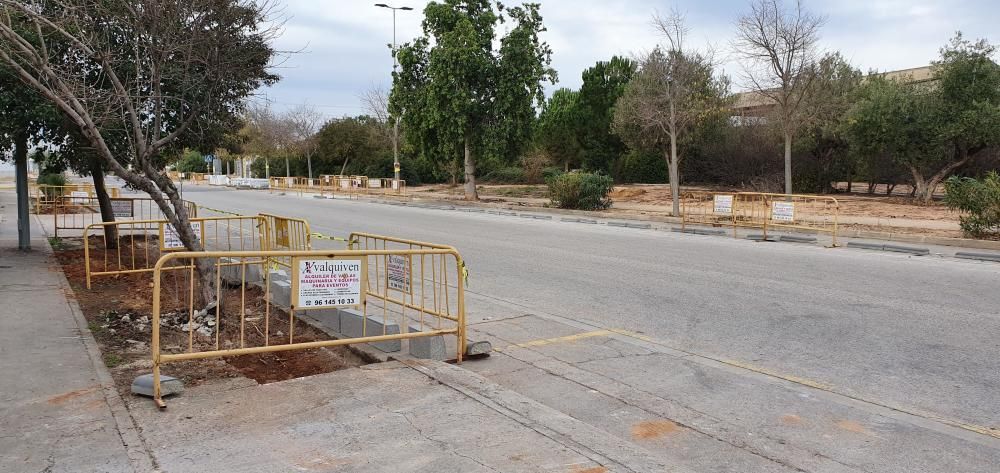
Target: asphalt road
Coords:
[(917, 334)]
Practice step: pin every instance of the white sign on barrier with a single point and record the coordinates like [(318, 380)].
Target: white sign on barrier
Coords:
[(170, 240), (374, 183), (123, 208), (78, 197), (329, 282), (783, 211), (398, 273), (724, 204)]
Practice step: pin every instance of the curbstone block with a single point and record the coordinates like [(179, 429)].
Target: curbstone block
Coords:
[(353, 325), (281, 293), (432, 348), (978, 256), (328, 318), (481, 347)]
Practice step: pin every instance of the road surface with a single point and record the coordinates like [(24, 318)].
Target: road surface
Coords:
[(721, 354)]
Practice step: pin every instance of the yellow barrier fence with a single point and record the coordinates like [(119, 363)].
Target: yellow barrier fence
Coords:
[(76, 213), (288, 234), (134, 246), (766, 211), (328, 283), (46, 196)]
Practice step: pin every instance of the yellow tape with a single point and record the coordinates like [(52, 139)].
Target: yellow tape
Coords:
[(326, 237), (220, 211)]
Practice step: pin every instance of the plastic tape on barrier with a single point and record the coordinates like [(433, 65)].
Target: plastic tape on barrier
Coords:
[(220, 211), (326, 237)]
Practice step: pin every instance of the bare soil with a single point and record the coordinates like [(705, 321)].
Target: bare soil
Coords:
[(118, 310), (858, 211)]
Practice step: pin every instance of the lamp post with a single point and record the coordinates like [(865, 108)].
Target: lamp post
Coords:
[(395, 124)]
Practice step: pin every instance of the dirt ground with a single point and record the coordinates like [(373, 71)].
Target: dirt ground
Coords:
[(118, 310), (858, 211)]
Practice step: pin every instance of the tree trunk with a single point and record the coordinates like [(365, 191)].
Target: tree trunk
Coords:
[(287, 171), (470, 171), (104, 201), (21, 176), (566, 166), (849, 183), (344, 167), (888, 188), (919, 185), (675, 185), (788, 163), (309, 163)]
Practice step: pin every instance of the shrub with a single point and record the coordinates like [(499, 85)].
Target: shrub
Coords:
[(52, 180), (550, 173), (583, 191), (641, 167), (508, 175), (980, 198)]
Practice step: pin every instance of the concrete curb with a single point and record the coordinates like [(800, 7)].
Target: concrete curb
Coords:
[(978, 256), (138, 452), (862, 234), (698, 231), (887, 247), (583, 438)]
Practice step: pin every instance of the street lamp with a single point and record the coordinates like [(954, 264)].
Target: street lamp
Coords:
[(395, 124)]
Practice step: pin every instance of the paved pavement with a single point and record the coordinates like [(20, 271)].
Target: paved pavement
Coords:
[(59, 411), (714, 353)]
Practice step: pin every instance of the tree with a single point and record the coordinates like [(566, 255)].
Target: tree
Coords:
[(452, 87), (603, 84), (162, 67), (673, 93), (303, 122), (556, 129), (779, 48), (836, 83), (932, 130)]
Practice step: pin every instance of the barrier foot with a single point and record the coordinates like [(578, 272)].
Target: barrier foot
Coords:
[(159, 403)]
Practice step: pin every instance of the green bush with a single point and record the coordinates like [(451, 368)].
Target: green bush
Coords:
[(980, 198), (641, 167), (508, 175), (551, 172), (582, 191), (52, 180)]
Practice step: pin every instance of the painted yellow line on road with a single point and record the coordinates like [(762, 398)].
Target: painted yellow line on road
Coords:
[(774, 374), (565, 339)]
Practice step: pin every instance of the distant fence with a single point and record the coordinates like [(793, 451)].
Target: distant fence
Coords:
[(45, 196), (76, 213), (333, 285), (765, 211), (134, 246)]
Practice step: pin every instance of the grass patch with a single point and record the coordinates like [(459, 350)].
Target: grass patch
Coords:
[(112, 360), (56, 243)]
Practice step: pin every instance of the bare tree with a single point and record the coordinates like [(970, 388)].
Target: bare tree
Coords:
[(376, 103), (303, 122), (780, 52), (161, 69), (673, 93)]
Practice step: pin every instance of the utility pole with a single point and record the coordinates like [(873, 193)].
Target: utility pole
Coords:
[(395, 124)]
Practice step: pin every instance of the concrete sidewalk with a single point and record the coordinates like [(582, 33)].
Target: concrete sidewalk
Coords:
[(58, 407), (60, 411)]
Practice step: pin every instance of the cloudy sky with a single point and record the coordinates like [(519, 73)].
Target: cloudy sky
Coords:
[(342, 44)]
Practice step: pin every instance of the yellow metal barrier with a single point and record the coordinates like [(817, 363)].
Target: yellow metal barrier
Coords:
[(242, 321), (285, 233), (76, 213), (133, 246), (766, 211), (46, 196)]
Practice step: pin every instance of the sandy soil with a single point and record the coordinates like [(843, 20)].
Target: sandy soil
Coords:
[(894, 213)]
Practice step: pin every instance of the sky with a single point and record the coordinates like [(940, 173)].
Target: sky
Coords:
[(333, 51), (337, 49)]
